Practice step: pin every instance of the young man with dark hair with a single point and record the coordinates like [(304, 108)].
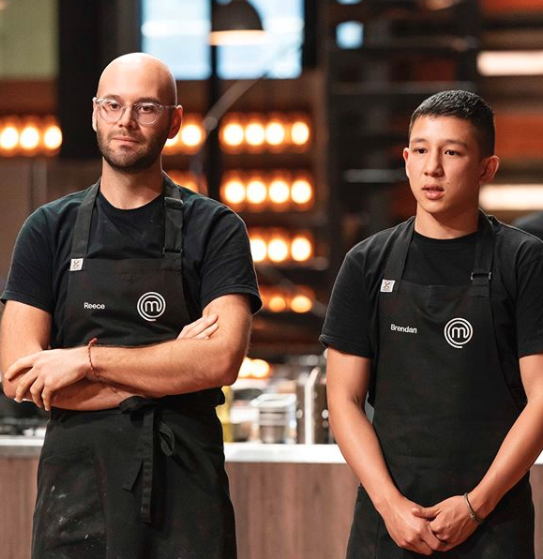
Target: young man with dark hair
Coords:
[(440, 321)]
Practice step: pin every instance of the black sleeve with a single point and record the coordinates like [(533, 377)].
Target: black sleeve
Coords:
[(529, 308), (228, 266), (29, 279), (348, 319)]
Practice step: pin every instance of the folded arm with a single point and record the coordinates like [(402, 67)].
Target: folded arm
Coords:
[(26, 330), (348, 378), (186, 364)]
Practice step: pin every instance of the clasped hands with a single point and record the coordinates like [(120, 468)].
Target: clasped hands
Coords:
[(40, 375), (428, 529)]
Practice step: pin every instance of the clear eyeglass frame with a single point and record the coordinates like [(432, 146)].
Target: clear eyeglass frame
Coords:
[(144, 118)]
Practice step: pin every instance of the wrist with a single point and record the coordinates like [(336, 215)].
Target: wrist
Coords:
[(387, 501), (91, 372), (482, 506)]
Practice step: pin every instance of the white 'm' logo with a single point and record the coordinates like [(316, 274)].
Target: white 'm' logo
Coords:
[(458, 332), (151, 305)]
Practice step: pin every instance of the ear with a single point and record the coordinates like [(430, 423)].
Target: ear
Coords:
[(177, 120), (405, 154), (489, 169), (94, 109)]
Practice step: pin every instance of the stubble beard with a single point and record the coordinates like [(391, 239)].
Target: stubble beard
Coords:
[(132, 161)]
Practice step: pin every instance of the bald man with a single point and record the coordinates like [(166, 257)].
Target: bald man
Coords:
[(128, 306)]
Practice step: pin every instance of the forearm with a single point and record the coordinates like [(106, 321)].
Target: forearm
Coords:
[(173, 367), (86, 395), (518, 452), (360, 447)]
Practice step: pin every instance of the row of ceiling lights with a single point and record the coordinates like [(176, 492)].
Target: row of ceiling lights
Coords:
[(280, 245), (29, 136), (278, 191), (278, 300)]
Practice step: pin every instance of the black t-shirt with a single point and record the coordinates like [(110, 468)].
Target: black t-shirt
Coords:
[(216, 251), (516, 288)]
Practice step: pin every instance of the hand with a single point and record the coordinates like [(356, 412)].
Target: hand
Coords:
[(201, 329), (449, 521), (44, 373), (409, 530)]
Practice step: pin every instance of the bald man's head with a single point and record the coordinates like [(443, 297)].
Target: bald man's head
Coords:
[(139, 66)]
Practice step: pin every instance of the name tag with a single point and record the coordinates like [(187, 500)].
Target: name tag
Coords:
[(387, 286), (76, 264)]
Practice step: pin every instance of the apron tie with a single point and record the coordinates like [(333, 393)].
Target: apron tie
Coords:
[(145, 452)]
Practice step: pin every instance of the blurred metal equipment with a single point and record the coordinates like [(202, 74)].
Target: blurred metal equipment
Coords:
[(312, 412)]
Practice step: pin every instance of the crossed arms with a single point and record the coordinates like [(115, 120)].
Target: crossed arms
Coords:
[(447, 524), (207, 354)]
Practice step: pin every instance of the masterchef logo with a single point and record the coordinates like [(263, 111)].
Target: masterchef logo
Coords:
[(458, 332), (151, 305)]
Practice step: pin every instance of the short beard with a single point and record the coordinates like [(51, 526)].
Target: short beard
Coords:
[(136, 162)]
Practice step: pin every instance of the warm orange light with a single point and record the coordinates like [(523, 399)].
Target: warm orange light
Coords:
[(259, 249), (301, 248), (277, 303), (192, 135), (234, 192), (260, 369), (301, 191), (278, 249), (299, 133), (29, 140), (9, 139), (275, 133), (233, 134), (52, 137), (255, 134), (171, 145), (301, 304), (256, 191), (279, 191)]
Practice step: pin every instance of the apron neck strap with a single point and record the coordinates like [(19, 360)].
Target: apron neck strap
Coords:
[(83, 223), (173, 206), (484, 254)]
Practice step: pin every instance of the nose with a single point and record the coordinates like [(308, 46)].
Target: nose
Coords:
[(127, 117), (433, 165)]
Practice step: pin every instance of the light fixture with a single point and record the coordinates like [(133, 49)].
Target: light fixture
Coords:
[(235, 23), (511, 197)]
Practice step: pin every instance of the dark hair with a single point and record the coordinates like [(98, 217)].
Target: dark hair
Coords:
[(463, 105)]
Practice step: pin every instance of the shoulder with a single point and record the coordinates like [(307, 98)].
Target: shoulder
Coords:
[(374, 250), (54, 216), (516, 246), (207, 212)]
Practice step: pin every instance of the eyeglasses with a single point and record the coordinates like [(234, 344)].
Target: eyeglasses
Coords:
[(145, 113)]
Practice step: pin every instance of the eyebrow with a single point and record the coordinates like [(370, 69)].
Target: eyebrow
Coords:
[(140, 100), (447, 141)]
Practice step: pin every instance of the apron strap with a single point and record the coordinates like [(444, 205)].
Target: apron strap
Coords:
[(83, 224), (173, 205), (173, 237), (154, 427), (484, 256)]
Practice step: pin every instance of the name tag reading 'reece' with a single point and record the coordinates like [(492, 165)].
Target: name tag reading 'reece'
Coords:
[(76, 264), (387, 286)]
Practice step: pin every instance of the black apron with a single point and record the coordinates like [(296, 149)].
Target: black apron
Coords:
[(443, 406), (146, 479)]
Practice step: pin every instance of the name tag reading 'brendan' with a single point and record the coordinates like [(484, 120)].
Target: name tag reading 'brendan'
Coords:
[(403, 329)]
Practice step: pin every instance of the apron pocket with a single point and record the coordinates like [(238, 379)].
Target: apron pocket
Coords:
[(69, 519), (364, 529)]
